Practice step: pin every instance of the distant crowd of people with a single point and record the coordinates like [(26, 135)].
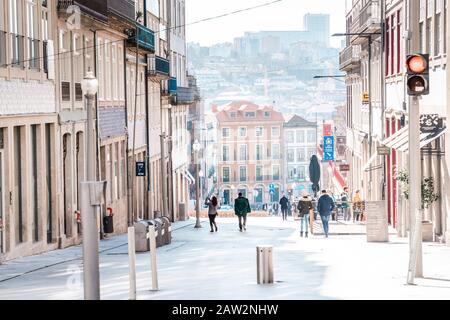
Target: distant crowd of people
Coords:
[(328, 206)]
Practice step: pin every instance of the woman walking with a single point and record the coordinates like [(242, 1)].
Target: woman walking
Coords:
[(304, 207), (212, 211)]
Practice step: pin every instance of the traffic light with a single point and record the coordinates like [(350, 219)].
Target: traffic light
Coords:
[(418, 74)]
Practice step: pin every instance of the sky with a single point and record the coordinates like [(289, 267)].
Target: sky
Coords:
[(284, 15)]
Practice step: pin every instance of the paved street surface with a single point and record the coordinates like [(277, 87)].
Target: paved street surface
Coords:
[(201, 265)]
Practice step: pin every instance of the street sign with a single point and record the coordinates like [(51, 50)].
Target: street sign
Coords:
[(384, 151), (140, 169), (365, 98), (328, 149), (429, 123), (327, 129), (344, 167)]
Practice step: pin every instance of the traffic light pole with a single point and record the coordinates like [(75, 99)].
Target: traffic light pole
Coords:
[(415, 214)]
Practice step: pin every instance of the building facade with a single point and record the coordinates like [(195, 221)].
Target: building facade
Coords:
[(300, 144), (250, 143), (29, 131)]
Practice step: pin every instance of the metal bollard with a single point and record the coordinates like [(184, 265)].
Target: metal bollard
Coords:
[(132, 262), (264, 264), (152, 239)]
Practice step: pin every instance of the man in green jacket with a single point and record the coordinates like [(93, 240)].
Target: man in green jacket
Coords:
[(241, 209)]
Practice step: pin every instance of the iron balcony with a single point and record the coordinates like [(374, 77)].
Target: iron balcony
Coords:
[(97, 9), (349, 58), (145, 38), (158, 67)]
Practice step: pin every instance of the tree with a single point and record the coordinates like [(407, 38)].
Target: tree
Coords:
[(429, 196)]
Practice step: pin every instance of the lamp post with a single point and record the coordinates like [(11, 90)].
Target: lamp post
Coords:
[(197, 147), (91, 199)]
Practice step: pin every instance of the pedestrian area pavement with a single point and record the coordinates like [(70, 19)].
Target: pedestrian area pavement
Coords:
[(203, 265)]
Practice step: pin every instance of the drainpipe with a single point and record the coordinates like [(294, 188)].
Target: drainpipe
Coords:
[(147, 124), (97, 117)]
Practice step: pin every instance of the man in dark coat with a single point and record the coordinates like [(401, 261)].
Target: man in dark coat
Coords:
[(284, 203), (325, 208), (241, 209)]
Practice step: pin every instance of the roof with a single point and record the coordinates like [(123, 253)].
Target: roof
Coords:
[(297, 121), (240, 107)]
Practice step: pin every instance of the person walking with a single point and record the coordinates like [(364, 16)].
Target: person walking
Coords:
[(345, 205), (357, 206), (212, 211), (284, 203), (241, 209), (305, 208), (325, 208)]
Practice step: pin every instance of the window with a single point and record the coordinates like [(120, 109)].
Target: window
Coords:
[(32, 34), (292, 173), (300, 136), (275, 151), (301, 155), (302, 173), (225, 153), (428, 37), (243, 152), (259, 131), (399, 37), (259, 152), (290, 136), (101, 73), (276, 172), (243, 173), (259, 173), (291, 155), (250, 114), (107, 62), (233, 115), (311, 152), (242, 132), (225, 174), (114, 77), (388, 47), (275, 132), (266, 114), (437, 34), (225, 132), (311, 136)]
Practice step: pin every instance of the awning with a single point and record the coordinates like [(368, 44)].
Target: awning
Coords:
[(188, 176), (400, 140), (369, 163)]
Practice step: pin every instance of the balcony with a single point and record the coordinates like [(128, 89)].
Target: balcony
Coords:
[(145, 38), (158, 68), (349, 58), (184, 95), (173, 85), (366, 20), (122, 8), (97, 9)]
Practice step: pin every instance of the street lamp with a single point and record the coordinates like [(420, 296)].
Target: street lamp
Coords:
[(91, 198), (197, 147)]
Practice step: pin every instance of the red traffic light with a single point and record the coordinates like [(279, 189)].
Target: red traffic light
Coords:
[(417, 63)]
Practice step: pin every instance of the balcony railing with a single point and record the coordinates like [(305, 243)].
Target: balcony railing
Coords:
[(3, 49), (349, 57), (123, 8), (158, 67), (97, 9), (17, 52), (173, 85), (145, 38), (185, 95)]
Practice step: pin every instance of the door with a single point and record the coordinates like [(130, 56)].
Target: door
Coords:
[(226, 197)]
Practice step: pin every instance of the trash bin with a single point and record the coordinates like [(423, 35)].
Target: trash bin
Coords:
[(141, 242), (167, 237), (159, 223), (182, 211), (108, 224)]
